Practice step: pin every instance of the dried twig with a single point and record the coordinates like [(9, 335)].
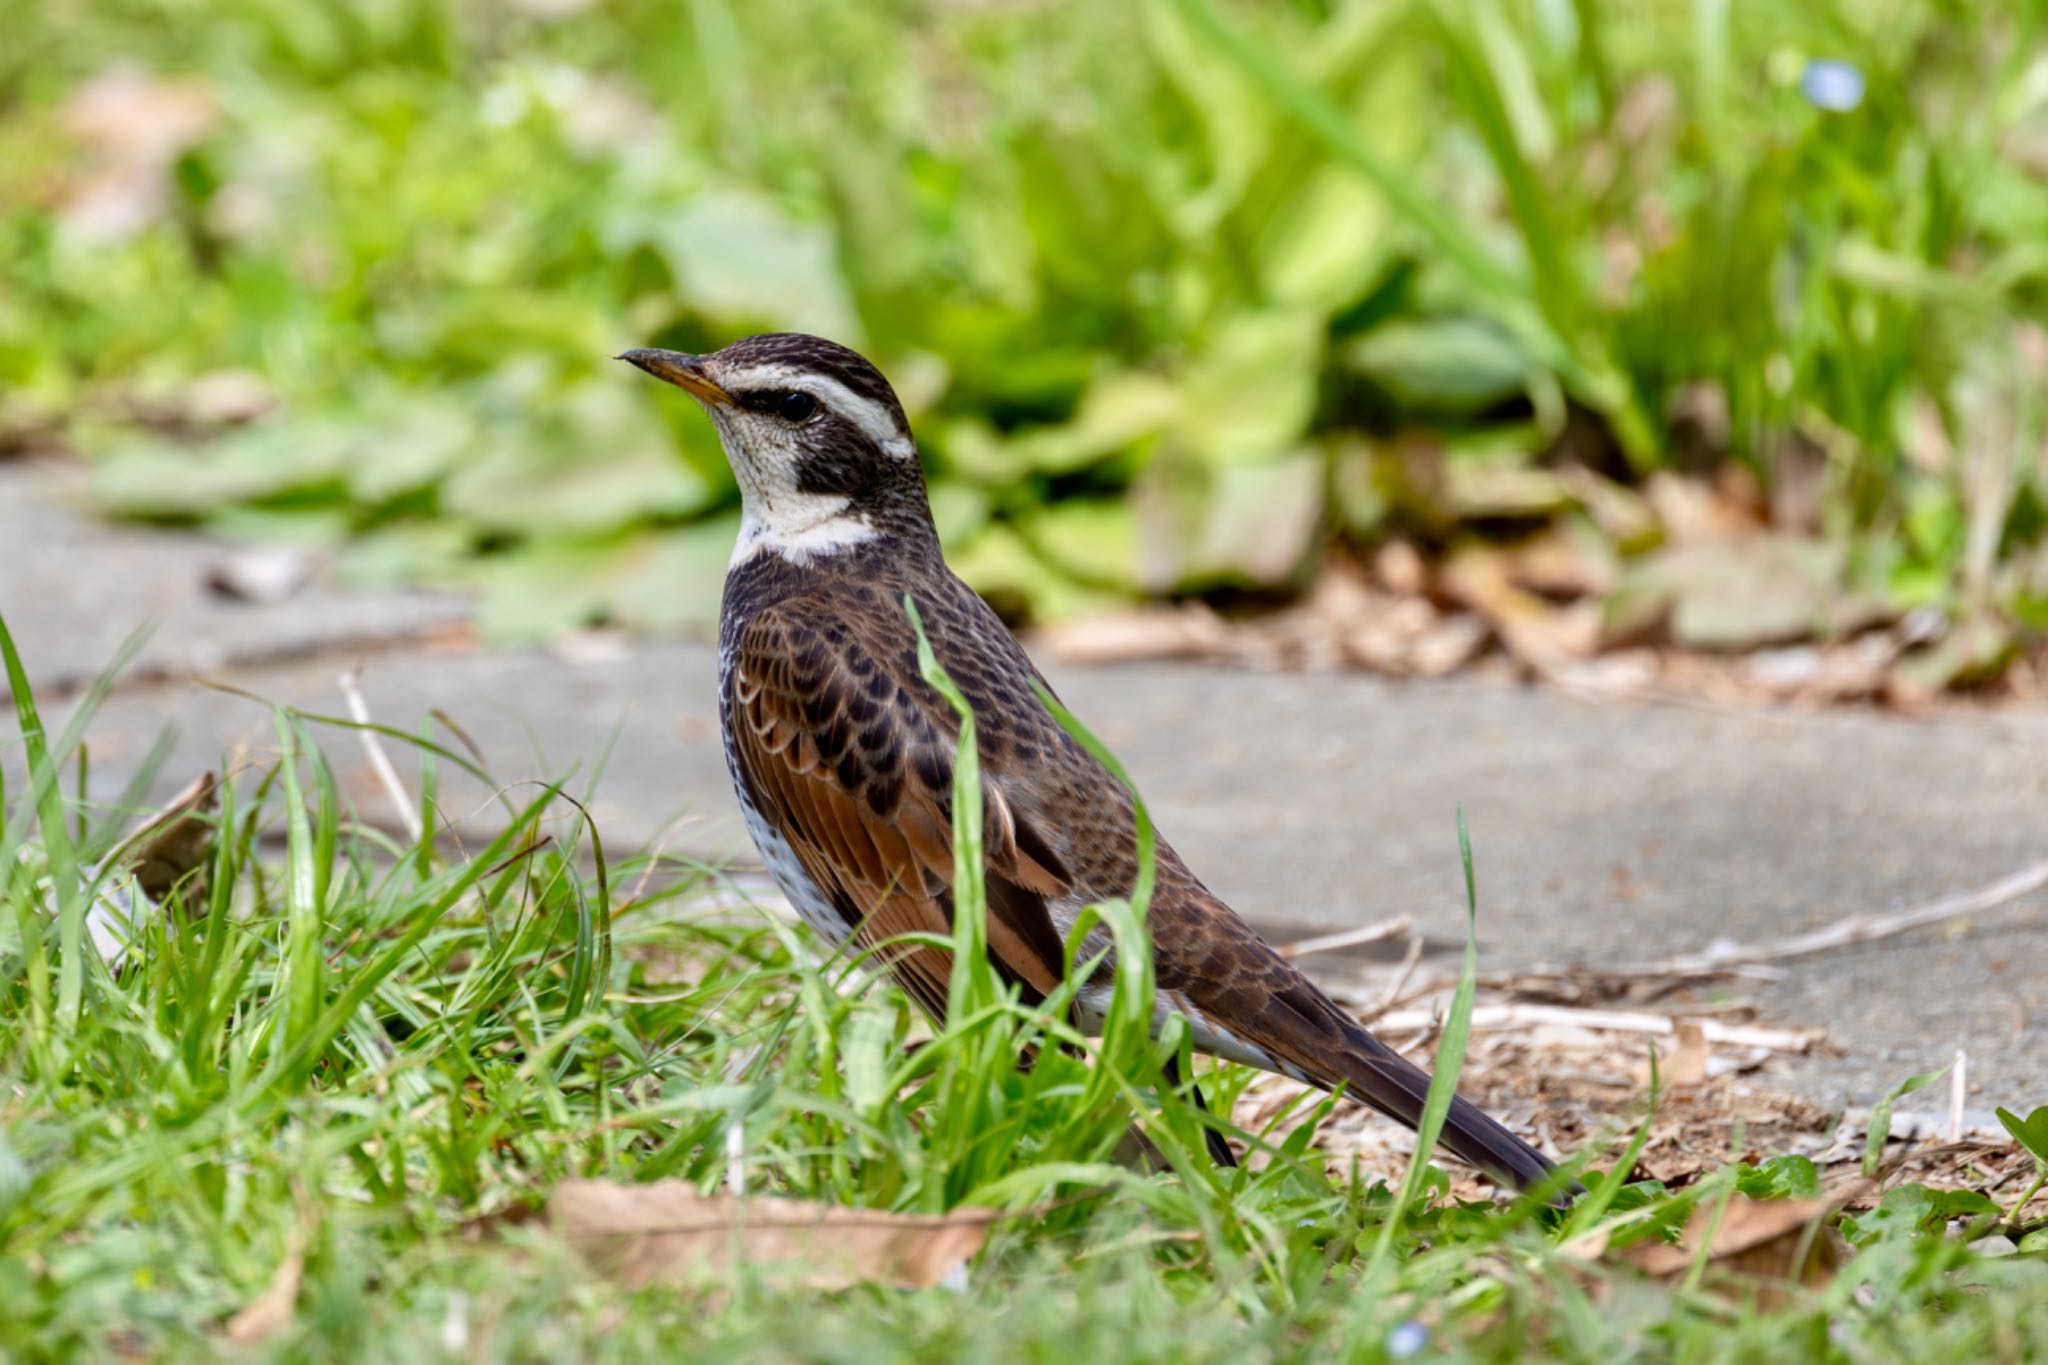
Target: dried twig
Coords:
[(1391, 996), (1612, 1021), (380, 762), (1843, 932), (1349, 938), (1958, 1090)]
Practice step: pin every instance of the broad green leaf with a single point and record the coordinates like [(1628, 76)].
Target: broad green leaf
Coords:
[(1094, 541), (1781, 1177), (539, 477), (1250, 525), (959, 510), (2030, 1132), (1001, 566), (1442, 365), (1118, 411), (1251, 392), (740, 260)]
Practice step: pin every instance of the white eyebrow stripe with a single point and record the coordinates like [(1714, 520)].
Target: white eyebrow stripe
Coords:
[(876, 421)]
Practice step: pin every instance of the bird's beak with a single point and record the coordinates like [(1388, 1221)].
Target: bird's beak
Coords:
[(686, 372)]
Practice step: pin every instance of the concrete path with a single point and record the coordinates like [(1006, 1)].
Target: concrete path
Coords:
[(1603, 833)]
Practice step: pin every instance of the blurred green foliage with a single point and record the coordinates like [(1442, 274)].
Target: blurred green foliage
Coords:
[(1172, 289)]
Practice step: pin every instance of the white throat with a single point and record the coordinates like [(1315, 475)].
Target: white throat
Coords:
[(800, 527)]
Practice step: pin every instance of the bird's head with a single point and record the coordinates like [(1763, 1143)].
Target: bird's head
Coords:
[(816, 439)]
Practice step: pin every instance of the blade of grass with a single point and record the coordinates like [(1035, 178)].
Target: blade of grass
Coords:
[(303, 964), (1881, 1119), (1588, 1211), (65, 874), (1134, 1050), (1147, 838), (368, 975), (1450, 1061), (967, 990)]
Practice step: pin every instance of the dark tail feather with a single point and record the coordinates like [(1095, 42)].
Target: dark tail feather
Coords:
[(1398, 1088)]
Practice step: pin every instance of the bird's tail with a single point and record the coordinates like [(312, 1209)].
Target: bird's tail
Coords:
[(1390, 1083)]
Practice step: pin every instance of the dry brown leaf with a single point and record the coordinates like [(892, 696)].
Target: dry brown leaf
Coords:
[(1559, 563), (1686, 1065), (1190, 631), (1400, 569), (133, 127), (1766, 1239), (270, 1312), (1540, 635), (1406, 636), (176, 839), (639, 1234), (1587, 1248), (1694, 509)]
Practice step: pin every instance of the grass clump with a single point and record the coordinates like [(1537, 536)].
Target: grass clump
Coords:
[(316, 1106)]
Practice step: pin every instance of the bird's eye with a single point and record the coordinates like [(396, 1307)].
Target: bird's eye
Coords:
[(795, 406)]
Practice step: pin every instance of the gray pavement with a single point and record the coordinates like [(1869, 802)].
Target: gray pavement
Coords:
[(74, 591), (1603, 833)]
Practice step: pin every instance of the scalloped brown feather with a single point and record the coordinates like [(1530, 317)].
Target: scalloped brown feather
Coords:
[(858, 806)]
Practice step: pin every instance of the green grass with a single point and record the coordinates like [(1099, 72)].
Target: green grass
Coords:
[(375, 1060), (1165, 283)]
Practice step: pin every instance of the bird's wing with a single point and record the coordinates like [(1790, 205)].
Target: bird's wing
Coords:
[(851, 759)]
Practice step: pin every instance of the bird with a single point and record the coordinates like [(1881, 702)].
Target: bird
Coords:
[(841, 753)]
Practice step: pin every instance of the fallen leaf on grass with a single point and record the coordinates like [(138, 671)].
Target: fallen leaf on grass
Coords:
[(640, 1234), (270, 1312), (166, 857), (1764, 1239), (174, 841)]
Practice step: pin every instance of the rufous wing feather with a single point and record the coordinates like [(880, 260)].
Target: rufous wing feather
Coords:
[(853, 766)]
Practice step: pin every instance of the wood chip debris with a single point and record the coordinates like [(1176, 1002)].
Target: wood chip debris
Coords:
[(1573, 1079)]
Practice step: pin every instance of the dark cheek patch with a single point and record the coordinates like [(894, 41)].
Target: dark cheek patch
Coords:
[(832, 457)]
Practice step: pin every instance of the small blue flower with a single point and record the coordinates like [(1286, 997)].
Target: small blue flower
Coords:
[(1406, 1339), (1831, 85)]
